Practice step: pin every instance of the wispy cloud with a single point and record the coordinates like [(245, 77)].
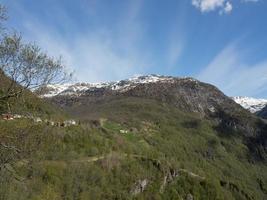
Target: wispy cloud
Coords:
[(175, 50), (175, 44), (176, 38), (250, 0), (229, 72), (106, 50), (98, 54)]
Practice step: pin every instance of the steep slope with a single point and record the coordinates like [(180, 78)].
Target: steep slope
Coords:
[(27, 103), (139, 149), (263, 113), (252, 104)]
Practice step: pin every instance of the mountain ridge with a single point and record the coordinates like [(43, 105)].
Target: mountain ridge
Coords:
[(254, 105), (186, 89), (77, 89)]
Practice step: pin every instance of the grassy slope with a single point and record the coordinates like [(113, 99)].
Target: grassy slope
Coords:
[(99, 162), (28, 103)]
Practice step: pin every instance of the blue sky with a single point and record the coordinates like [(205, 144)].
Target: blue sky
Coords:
[(223, 42)]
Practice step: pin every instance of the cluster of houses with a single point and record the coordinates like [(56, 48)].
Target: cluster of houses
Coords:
[(123, 131), (11, 117), (65, 123)]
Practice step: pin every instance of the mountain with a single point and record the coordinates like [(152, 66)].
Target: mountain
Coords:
[(252, 104), (187, 93), (80, 88), (263, 113), (170, 113), (150, 137)]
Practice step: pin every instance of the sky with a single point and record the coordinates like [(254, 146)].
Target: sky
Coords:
[(222, 42)]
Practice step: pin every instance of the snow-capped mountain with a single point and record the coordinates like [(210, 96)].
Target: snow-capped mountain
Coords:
[(123, 85), (252, 104)]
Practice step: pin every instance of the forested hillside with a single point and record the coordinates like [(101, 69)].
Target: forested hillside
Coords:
[(129, 148)]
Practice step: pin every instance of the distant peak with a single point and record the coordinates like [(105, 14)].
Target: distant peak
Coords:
[(250, 103)]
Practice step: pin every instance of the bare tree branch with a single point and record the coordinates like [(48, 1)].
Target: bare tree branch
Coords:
[(27, 66)]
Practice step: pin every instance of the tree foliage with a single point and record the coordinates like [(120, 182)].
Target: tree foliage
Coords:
[(25, 64)]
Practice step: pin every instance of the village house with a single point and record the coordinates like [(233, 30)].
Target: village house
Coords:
[(17, 116), (37, 119), (7, 116), (123, 131), (66, 123), (70, 122)]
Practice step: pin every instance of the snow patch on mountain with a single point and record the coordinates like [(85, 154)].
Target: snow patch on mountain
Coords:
[(252, 104), (121, 86)]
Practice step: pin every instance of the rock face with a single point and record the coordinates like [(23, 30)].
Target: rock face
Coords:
[(189, 197), (172, 174), (139, 187)]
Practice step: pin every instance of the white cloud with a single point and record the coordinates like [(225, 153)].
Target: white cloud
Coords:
[(207, 5), (223, 6), (229, 71), (228, 7), (211, 5), (95, 56)]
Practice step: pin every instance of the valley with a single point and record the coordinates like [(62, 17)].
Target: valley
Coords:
[(163, 140), (133, 100)]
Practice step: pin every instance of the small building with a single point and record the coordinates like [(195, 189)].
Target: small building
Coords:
[(7, 116), (62, 124), (123, 131), (37, 119), (70, 123), (17, 116), (51, 123)]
